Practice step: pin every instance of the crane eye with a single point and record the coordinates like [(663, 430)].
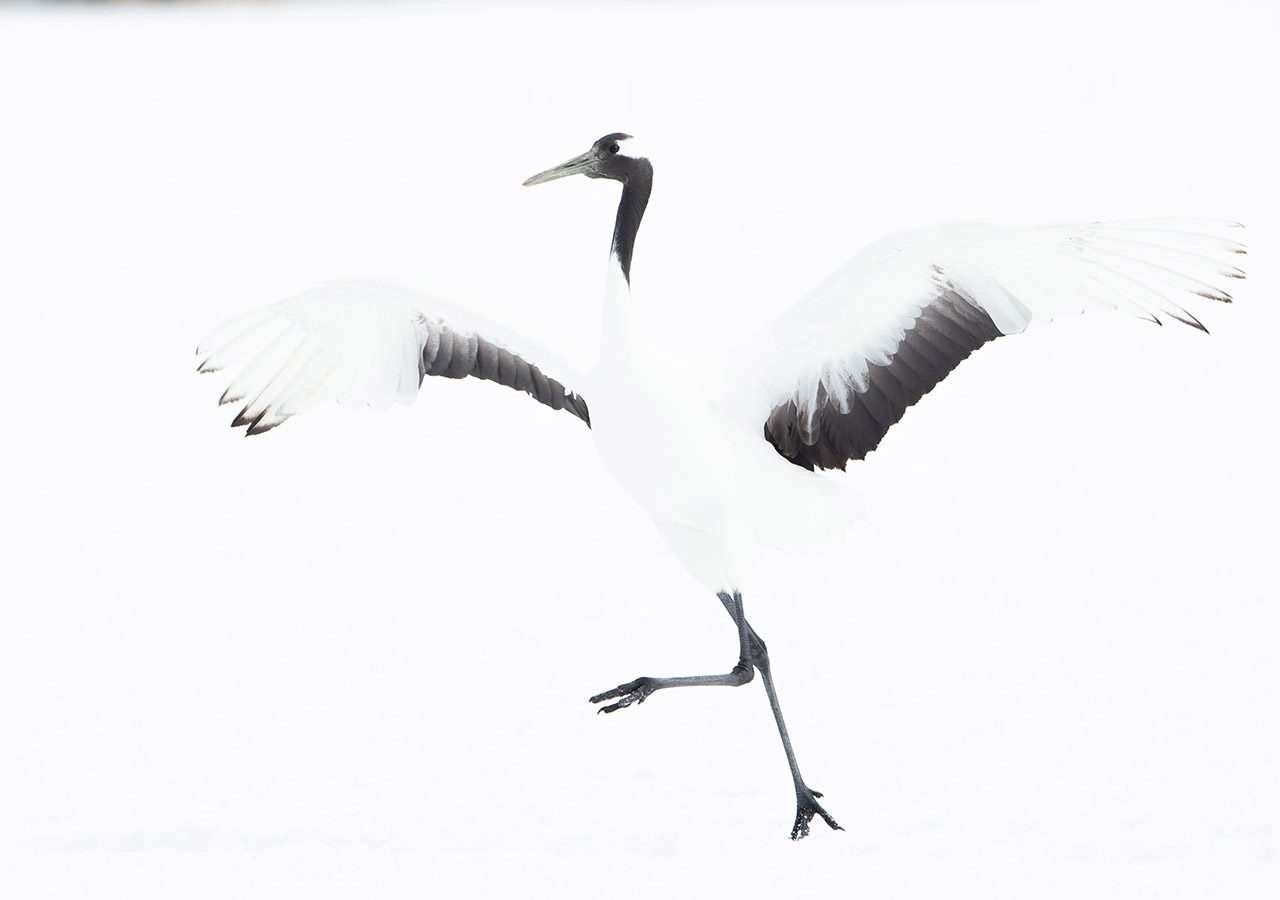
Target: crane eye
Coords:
[(613, 148)]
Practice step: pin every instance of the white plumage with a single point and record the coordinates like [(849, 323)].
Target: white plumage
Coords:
[(361, 343), (725, 468), (692, 452), (1018, 276)]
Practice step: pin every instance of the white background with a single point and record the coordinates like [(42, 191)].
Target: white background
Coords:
[(351, 658)]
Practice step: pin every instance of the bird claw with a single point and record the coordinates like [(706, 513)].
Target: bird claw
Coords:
[(626, 694), (807, 806)]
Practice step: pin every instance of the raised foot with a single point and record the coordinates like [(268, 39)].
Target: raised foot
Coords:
[(807, 806), (626, 694)]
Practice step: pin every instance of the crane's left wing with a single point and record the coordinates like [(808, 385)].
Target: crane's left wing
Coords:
[(837, 370), (365, 344)]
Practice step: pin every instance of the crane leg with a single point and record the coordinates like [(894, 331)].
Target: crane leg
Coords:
[(807, 805), (638, 691), (753, 654)]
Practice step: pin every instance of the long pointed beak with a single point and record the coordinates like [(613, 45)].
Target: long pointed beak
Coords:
[(575, 166)]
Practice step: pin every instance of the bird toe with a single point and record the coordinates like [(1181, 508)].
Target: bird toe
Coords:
[(625, 694)]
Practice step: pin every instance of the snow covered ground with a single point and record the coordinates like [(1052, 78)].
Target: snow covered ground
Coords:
[(351, 658)]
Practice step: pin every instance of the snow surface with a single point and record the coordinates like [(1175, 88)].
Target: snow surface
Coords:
[(351, 658)]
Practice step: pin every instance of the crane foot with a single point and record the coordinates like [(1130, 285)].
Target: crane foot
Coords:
[(626, 694), (807, 806)]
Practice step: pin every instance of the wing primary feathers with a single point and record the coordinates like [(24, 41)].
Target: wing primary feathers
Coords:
[(1185, 282), (843, 366), (1196, 259), (359, 343)]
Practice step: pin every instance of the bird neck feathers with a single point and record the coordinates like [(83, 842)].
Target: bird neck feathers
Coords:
[(615, 338), (637, 183)]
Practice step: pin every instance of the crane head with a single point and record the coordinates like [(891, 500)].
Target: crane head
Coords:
[(605, 159)]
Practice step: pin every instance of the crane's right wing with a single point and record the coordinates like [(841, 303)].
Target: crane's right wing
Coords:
[(364, 344), (836, 371)]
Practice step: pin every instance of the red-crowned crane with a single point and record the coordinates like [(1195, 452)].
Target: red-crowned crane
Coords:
[(726, 467)]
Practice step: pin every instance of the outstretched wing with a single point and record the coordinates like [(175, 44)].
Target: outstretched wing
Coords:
[(363, 344), (842, 366)]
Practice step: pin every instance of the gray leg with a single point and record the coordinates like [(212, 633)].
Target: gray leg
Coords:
[(807, 805), (637, 691), (752, 654)]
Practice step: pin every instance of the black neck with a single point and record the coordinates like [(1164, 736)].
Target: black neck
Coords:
[(637, 182)]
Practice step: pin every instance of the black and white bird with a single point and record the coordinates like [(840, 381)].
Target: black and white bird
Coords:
[(815, 389)]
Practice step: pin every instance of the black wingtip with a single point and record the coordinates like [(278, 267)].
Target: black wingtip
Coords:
[(1219, 296), (1189, 320), (257, 427)]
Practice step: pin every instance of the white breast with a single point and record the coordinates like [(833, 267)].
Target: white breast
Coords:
[(716, 492), (658, 441)]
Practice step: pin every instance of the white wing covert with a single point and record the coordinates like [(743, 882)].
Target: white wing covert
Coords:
[(363, 344), (842, 366)]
